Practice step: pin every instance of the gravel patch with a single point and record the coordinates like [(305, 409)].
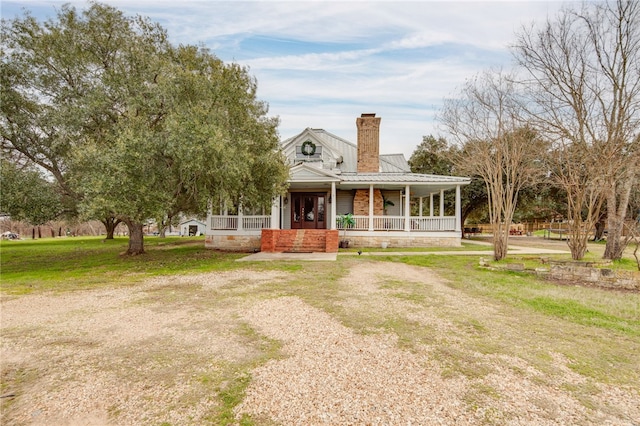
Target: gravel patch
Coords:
[(334, 376), (125, 356), (147, 354)]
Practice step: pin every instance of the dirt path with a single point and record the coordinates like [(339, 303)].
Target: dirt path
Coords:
[(159, 353), (332, 375), (127, 356)]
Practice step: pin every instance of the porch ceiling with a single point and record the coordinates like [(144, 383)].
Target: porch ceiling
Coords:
[(417, 189), (421, 185), (309, 185)]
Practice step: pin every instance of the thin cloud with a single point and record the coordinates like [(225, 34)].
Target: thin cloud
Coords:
[(323, 63)]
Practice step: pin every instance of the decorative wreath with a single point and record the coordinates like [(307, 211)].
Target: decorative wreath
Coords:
[(308, 148)]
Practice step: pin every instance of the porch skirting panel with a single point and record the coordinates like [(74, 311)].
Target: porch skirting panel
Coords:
[(389, 240), (237, 242)]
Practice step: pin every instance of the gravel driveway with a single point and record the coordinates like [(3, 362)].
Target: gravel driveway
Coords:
[(161, 352)]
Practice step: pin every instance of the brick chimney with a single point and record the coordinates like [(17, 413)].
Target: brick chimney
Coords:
[(368, 143)]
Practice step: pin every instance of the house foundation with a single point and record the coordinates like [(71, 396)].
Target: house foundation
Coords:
[(244, 243)]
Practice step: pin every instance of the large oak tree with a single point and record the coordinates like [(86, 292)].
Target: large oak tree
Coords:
[(131, 125)]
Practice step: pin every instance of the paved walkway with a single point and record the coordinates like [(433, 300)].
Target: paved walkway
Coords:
[(513, 249)]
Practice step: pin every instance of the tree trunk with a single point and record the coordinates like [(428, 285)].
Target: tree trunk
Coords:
[(615, 245), (616, 214), (500, 241), (578, 238), (136, 238), (599, 230), (110, 223), (162, 233)]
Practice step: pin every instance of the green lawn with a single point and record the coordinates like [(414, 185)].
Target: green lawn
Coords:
[(72, 263), (526, 318)]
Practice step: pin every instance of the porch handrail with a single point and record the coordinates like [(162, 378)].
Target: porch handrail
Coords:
[(388, 223), (256, 222), (433, 223), (397, 223), (249, 223), (223, 222)]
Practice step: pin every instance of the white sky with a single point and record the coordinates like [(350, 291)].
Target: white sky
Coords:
[(321, 64)]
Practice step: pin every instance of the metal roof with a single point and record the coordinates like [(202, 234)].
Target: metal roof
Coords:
[(422, 185), (402, 177), (395, 172), (389, 163), (392, 163)]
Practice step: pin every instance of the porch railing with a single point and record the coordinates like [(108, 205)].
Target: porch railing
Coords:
[(249, 223), (397, 223), (380, 223), (224, 222), (256, 222), (442, 223)]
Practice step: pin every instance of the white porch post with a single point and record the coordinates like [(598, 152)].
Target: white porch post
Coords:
[(431, 204), (442, 203), (275, 213), (407, 208), (240, 215), (420, 213), (458, 210), (371, 207), (334, 201)]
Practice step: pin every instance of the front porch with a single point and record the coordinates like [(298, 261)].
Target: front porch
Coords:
[(254, 224), (255, 232), (385, 213)]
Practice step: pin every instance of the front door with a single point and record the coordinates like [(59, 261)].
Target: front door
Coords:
[(308, 211)]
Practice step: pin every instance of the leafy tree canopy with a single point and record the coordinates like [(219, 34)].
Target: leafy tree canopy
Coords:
[(27, 195), (131, 125), (435, 156)]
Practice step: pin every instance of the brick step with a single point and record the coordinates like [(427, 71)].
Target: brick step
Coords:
[(300, 240)]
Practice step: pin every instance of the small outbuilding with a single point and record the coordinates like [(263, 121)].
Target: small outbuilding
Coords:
[(192, 228)]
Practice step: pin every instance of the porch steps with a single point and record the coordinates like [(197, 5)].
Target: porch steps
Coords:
[(285, 241), (314, 241), (299, 241)]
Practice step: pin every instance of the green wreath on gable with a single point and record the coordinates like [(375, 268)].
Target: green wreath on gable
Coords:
[(308, 148)]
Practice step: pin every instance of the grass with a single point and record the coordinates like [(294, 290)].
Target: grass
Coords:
[(596, 331), (581, 323), (61, 264), (615, 311)]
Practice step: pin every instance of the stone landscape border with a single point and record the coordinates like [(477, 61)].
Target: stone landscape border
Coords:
[(592, 273)]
